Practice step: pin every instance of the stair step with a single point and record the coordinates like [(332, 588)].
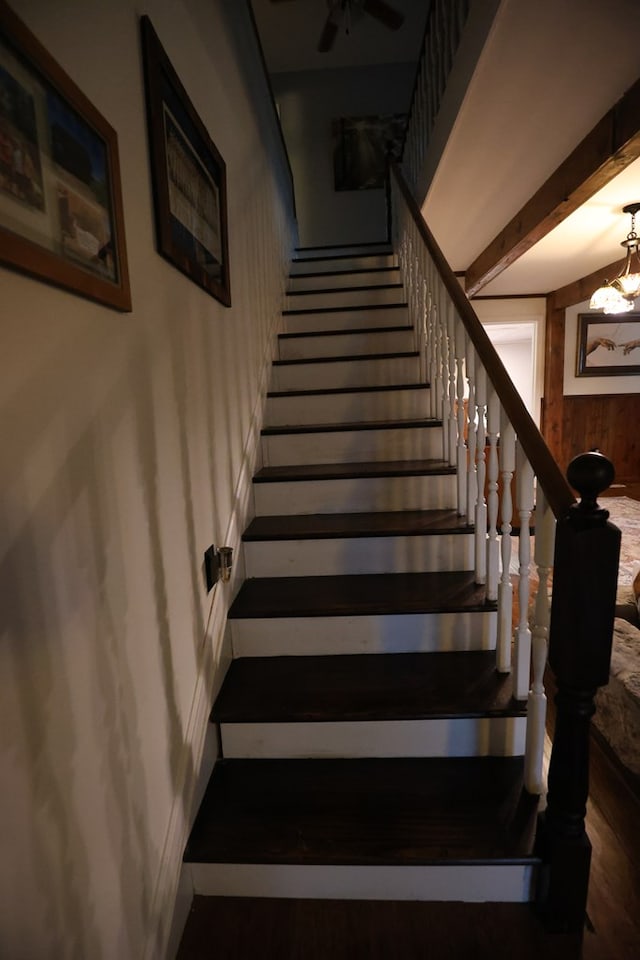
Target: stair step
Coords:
[(331, 343), (338, 828), (417, 523), (354, 487), (438, 704), (399, 401), (326, 264), (245, 928), (361, 370), (336, 442), (358, 543), (343, 251), (366, 687), (402, 593), (370, 613), (343, 277), (298, 321), (345, 296)]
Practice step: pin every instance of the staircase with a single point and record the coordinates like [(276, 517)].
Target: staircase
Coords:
[(369, 748)]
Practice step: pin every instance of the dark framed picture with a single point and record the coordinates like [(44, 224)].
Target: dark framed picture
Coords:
[(61, 214), (608, 346), (360, 148), (189, 177)]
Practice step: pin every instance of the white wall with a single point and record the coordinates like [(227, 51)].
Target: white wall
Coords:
[(516, 328), (128, 443), (308, 103)]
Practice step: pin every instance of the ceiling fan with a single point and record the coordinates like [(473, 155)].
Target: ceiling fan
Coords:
[(342, 13)]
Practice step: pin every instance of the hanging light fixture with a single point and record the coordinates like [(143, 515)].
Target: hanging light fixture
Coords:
[(618, 295)]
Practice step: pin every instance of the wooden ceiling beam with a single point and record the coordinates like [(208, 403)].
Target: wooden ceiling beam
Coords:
[(607, 149), (583, 289)]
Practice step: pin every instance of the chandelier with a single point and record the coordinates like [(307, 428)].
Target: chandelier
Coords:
[(618, 295)]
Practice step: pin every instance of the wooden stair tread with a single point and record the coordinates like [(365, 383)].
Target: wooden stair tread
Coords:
[(366, 286), (391, 811), (351, 471), (244, 928), (406, 686), (350, 358), (305, 334), (385, 388), (380, 524), (360, 307), (354, 271), (360, 595), (347, 426)]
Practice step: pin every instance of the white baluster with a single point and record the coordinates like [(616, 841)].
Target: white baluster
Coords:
[(453, 425), (481, 503), (505, 590), (537, 705), (472, 480), (493, 547), (446, 374), (524, 506), (437, 326), (433, 354), (462, 447)]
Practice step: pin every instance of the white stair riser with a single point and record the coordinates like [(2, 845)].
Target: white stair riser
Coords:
[(349, 250), (346, 319), (346, 344), (329, 264), (471, 883), (449, 737), (344, 298), (353, 446), (384, 633), (324, 281), (359, 555), (338, 374), (359, 495), (349, 407)]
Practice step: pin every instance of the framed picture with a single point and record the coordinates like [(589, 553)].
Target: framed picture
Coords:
[(189, 177), (60, 199), (608, 346), (360, 147)]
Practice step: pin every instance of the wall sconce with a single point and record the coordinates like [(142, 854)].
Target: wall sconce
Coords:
[(618, 295), (218, 564)]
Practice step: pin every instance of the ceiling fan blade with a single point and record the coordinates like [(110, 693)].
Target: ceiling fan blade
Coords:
[(387, 15), (328, 35)]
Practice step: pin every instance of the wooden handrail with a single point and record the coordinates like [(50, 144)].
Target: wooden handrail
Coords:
[(556, 488)]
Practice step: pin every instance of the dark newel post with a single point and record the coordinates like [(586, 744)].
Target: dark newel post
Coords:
[(580, 636)]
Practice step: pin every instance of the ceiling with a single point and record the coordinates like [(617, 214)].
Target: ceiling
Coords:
[(289, 33), (543, 81)]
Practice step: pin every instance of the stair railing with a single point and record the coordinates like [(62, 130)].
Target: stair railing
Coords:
[(490, 437), (443, 31)]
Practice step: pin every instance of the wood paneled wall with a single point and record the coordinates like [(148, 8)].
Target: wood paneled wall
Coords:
[(573, 424), (611, 423)]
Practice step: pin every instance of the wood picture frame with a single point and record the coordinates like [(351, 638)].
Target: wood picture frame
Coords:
[(608, 346), (188, 174), (61, 216)]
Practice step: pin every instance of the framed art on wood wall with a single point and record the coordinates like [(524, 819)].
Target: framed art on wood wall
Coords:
[(61, 216), (608, 346), (189, 177)]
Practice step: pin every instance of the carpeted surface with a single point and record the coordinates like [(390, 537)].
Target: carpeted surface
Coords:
[(625, 513)]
